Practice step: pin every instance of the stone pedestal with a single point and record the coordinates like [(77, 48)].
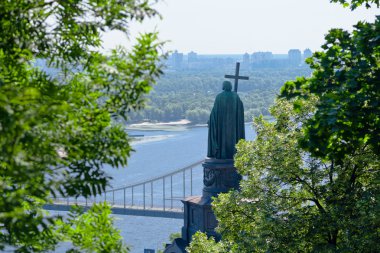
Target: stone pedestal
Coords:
[(198, 217), (219, 176)]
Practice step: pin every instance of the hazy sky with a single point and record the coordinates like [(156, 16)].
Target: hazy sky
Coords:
[(239, 26)]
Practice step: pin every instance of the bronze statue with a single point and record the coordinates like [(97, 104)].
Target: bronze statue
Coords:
[(226, 128), (226, 124)]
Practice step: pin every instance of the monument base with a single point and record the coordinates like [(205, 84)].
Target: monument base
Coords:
[(219, 176), (198, 217), (178, 246)]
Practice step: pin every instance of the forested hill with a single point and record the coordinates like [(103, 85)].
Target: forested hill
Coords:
[(190, 94)]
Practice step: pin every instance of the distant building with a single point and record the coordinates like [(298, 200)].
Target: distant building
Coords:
[(192, 57), (177, 59), (246, 60), (261, 57), (307, 53), (294, 57)]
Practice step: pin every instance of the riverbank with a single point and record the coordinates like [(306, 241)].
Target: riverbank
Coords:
[(180, 125), (146, 139)]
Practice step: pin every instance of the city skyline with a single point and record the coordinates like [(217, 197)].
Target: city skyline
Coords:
[(192, 60), (236, 54), (226, 27)]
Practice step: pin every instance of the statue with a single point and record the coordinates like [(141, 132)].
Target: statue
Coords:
[(226, 124), (226, 128)]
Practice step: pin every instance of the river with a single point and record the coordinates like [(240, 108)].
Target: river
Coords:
[(165, 152)]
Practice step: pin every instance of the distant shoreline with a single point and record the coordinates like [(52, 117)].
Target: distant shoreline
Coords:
[(146, 139), (179, 125)]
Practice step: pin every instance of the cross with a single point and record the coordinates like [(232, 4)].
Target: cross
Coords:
[(236, 76)]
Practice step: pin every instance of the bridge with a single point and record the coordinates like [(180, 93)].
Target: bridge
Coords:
[(157, 197)]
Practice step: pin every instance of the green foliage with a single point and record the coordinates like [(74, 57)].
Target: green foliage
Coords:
[(201, 244), (292, 202), (91, 231), (353, 4), (40, 237), (346, 82), (56, 130), (174, 236), (190, 95)]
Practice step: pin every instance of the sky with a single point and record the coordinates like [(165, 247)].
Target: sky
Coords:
[(239, 26)]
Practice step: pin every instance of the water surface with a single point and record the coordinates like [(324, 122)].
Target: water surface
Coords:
[(156, 158)]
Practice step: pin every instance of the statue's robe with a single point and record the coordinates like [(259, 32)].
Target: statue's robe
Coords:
[(226, 125)]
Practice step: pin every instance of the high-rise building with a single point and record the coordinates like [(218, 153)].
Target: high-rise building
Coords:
[(258, 57), (192, 57), (294, 57), (307, 53), (177, 59), (246, 60)]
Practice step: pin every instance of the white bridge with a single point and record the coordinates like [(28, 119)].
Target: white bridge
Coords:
[(157, 197)]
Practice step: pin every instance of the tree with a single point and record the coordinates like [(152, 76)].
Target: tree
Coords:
[(298, 202), (346, 82), (91, 231), (290, 201), (202, 244), (56, 131), (311, 178), (190, 94), (353, 4)]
